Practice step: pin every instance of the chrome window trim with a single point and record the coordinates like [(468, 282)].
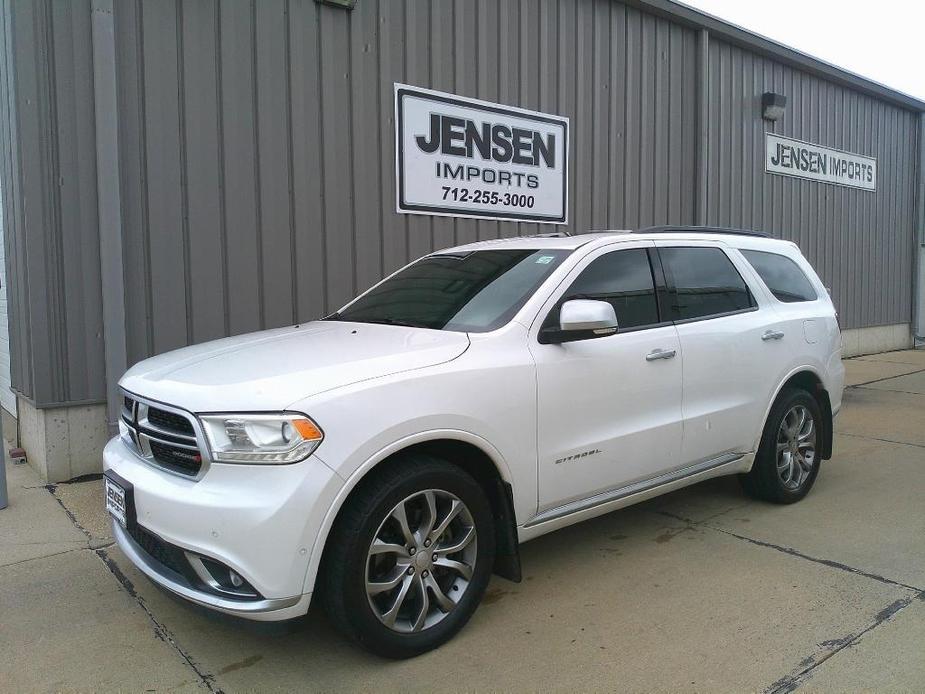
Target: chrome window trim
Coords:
[(137, 421)]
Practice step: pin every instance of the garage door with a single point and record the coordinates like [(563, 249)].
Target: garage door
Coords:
[(7, 399)]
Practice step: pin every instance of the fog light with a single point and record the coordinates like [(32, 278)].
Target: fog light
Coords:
[(220, 578)]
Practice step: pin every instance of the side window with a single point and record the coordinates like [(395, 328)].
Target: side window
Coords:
[(705, 283), (784, 277), (621, 278)]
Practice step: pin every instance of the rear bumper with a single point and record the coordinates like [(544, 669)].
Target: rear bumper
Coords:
[(261, 521)]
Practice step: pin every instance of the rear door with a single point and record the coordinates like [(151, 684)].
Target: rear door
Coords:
[(730, 359), (802, 310), (608, 408)]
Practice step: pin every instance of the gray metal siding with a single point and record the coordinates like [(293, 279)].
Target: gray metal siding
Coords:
[(18, 308), (861, 243), (50, 215), (255, 156), (258, 142), (7, 397)]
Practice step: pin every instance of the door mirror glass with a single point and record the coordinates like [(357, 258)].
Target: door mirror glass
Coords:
[(582, 319)]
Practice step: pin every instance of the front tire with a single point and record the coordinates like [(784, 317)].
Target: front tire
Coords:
[(787, 461), (409, 557)]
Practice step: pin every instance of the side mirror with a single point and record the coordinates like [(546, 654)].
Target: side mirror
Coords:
[(582, 319)]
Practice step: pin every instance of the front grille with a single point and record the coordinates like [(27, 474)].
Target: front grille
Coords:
[(162, 435), (170, 421), (157, 549), (185, 460)]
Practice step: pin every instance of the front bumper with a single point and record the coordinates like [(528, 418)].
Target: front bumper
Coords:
[(265, 609), (259, 520)]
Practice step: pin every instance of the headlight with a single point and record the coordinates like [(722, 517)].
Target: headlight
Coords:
[(284, 437)]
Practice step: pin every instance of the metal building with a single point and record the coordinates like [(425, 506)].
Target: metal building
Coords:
[(174, 172)]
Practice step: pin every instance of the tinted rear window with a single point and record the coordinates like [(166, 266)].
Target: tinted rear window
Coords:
[(705, 283), (784, 277)]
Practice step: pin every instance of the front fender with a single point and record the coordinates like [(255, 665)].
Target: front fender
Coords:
[(371, 462)]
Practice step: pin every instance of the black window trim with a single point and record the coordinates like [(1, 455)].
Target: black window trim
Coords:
[(671, 289), (658, 281)]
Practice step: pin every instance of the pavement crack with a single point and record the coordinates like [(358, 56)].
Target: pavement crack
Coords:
[(793, 552), (825, 562), (877, 359), (894, 390), (160, 630), (794, 680), (876, 438), (689, 521), (44, 556), (885, 378), (51, 490)]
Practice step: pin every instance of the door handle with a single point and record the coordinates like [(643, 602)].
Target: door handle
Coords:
[(772, 335), (656, 354)]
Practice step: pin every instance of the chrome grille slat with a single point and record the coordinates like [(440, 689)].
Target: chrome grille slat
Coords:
[(179, 451), (150, 430), (166, 442)]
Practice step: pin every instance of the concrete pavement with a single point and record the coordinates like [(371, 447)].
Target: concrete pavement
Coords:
[(66, 623), (700, 590)]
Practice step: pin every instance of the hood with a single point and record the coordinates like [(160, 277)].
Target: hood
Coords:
[(272, 369)]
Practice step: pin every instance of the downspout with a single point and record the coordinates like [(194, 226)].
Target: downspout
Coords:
[(109, 203), (918, 297)]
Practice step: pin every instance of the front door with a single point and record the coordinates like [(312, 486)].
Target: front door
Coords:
[(608, 408)]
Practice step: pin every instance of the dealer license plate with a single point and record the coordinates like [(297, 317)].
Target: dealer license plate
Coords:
[(115, 501)]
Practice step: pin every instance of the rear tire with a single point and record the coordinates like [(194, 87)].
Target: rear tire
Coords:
[(409, 557), (787, 461)]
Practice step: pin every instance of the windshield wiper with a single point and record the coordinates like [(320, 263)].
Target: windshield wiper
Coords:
[(386, 321)]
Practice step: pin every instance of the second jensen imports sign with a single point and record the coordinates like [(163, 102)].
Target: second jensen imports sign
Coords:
[(789, 157), (468, 158)]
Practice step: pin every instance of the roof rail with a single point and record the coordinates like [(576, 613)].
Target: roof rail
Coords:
[(669, 229), (549, 235)]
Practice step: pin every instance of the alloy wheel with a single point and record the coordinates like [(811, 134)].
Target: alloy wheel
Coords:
[(421, 560), (796, 447)]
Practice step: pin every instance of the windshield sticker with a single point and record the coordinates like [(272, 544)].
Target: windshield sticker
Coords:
[(545, 259)]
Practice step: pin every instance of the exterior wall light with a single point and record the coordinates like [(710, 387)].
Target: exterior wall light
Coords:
[(343, 4), (772, 105)]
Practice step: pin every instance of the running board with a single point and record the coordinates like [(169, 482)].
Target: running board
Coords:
[(631, 489)]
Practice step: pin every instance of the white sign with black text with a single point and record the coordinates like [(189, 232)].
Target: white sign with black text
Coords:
[(461, 157), (789, 157)]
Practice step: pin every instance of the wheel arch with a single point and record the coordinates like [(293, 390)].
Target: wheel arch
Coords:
[(808, 379), (470, 452)]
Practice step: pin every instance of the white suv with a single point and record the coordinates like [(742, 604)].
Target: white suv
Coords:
[(393, 455)]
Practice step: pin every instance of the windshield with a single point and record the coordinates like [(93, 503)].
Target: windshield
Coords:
[(476, 291)]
